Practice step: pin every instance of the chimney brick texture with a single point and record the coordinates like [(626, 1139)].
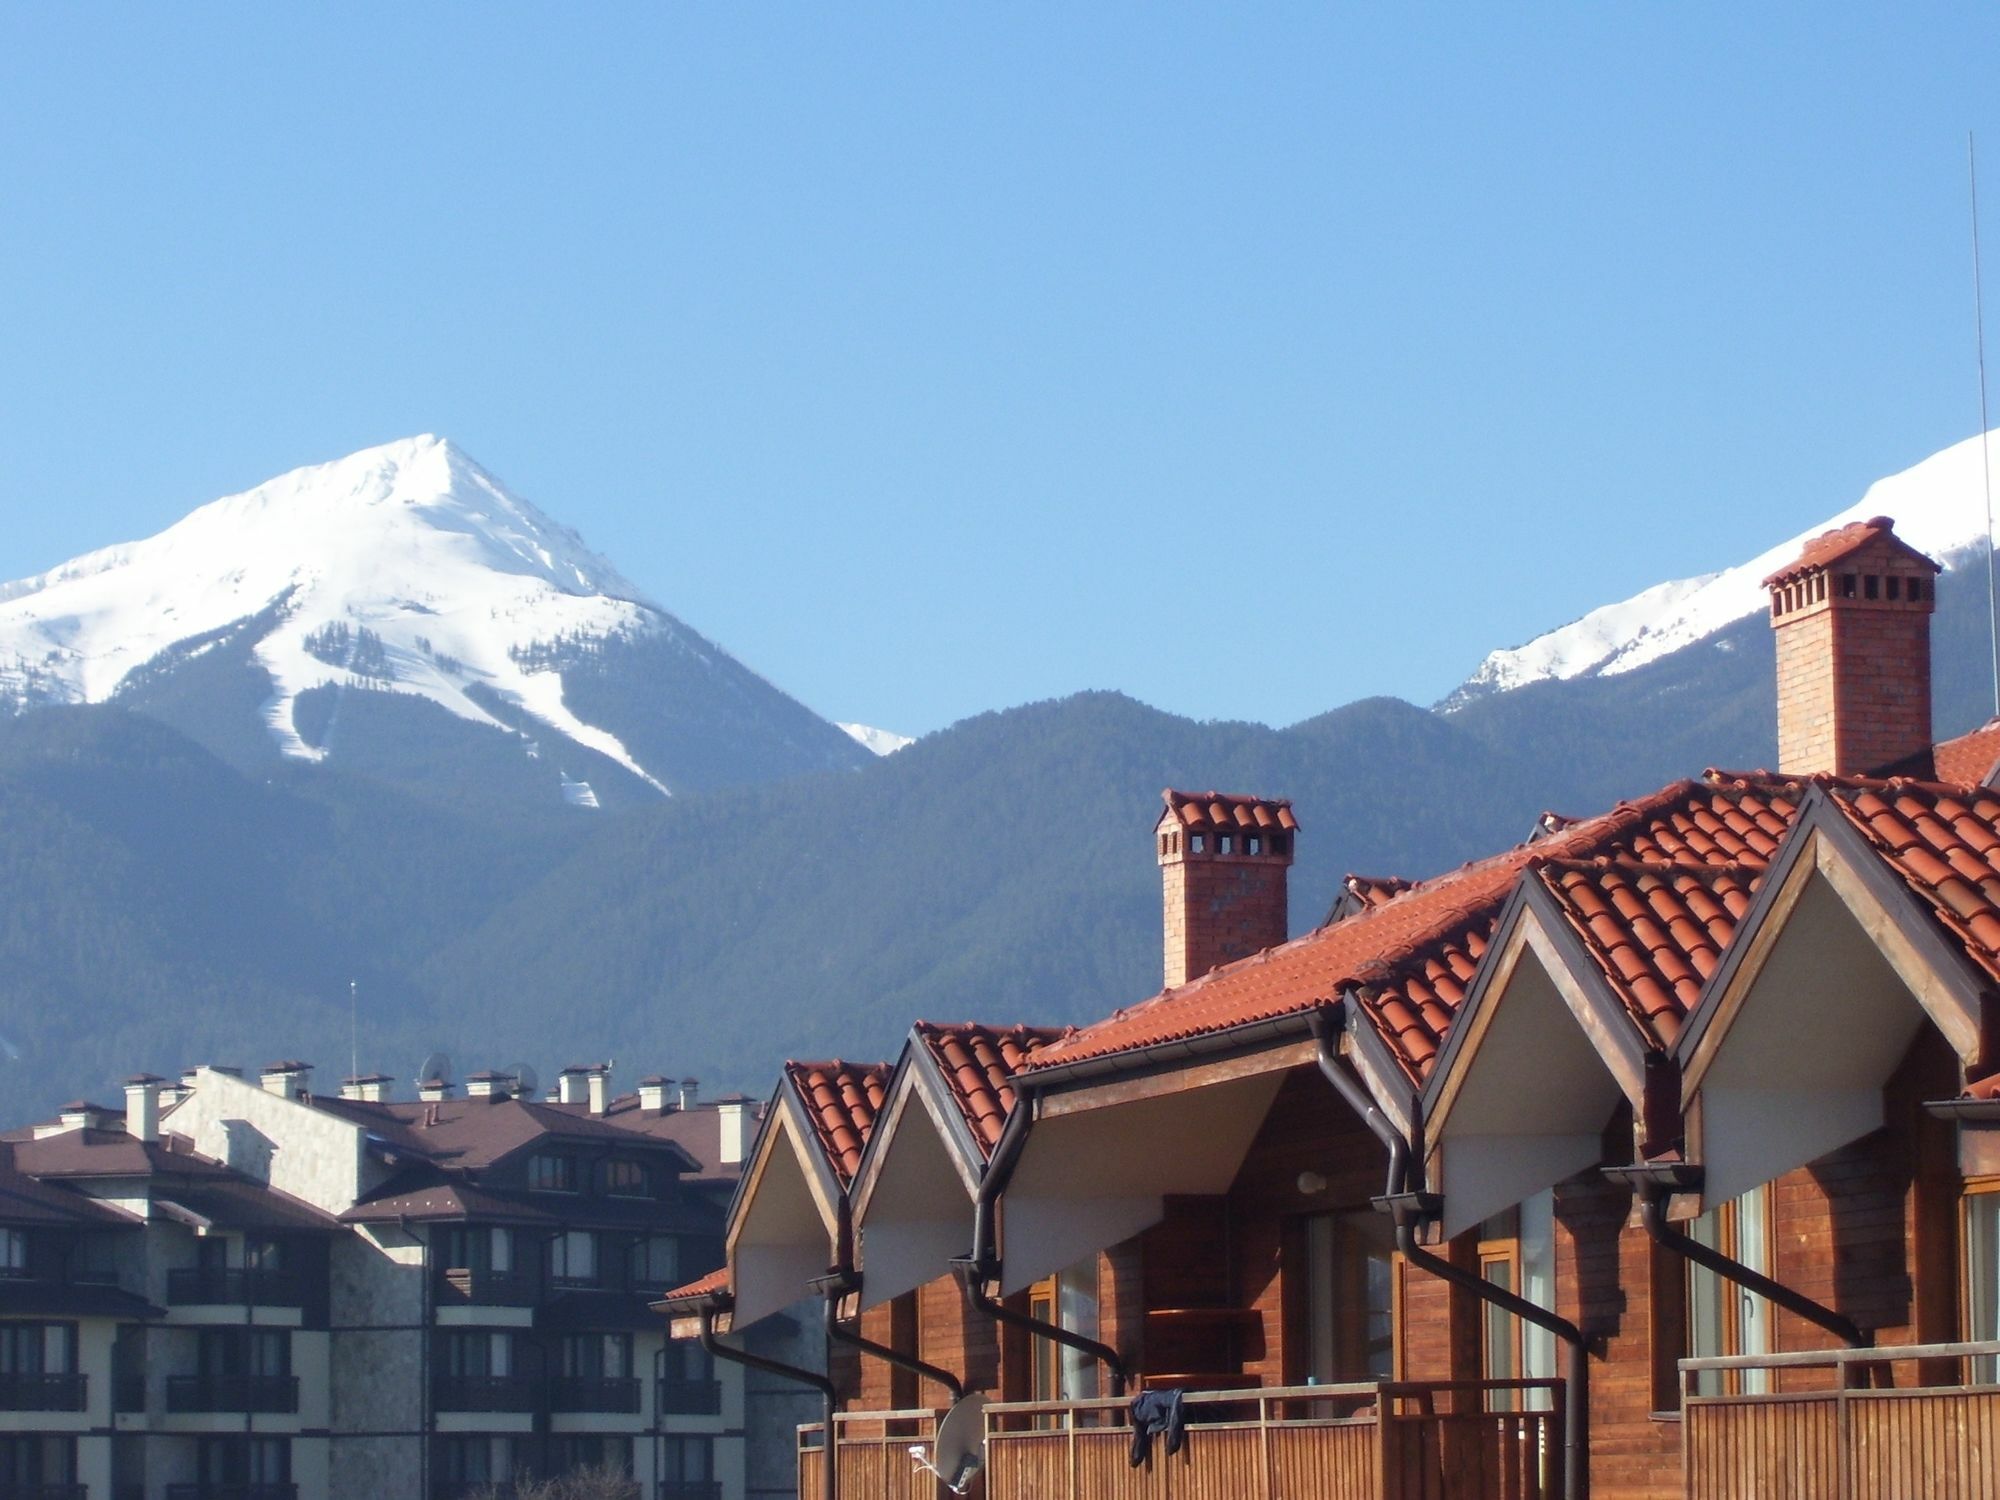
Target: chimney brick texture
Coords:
[(1223, 894), (1854, 655)]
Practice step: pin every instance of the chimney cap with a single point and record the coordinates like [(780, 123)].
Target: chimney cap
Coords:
[(487, 1076), (735, 1099), (140, 1080), (288, 1065), (368, 1078), (1830, 547), (652, 1081), (1201, 811)]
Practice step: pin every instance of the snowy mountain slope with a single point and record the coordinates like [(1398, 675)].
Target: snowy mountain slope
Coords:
[(1938, 506), (405, 570), (875, 741)]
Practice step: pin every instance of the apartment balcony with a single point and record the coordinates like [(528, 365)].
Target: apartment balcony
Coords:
[(575, 1393), (128, 1393), (1917, 1420), (692, 1489), (43, 1392), (461, 1285), (233, 1393), (234, 1286), (1380, 1440), (219, 1490), (11, 1490), (511, 1393), (688, 1398)]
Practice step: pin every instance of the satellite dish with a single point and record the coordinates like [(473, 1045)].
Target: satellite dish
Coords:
[(437, 1066), (525, 1081), (959, 1450)]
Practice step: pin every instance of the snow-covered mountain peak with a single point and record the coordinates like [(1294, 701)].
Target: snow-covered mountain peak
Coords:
[(1938, 505), (402, 568)]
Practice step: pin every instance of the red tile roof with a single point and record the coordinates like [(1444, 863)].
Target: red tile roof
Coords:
[(1198, 812), (1970, 759), (701, 1288), (842, 1100), (1656, 931), (1411, 957), (1945, 843), (1830, 547), (979, 1063)]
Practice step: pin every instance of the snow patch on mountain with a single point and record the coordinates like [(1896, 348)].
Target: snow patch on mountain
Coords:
[(405, 568), (877, 741), (1939, 507)]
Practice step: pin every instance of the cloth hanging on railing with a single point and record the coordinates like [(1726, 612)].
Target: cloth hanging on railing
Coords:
[(1155, 1412)]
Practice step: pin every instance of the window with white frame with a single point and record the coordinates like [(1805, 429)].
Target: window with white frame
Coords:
[(1723, 1318), (1982, 1279)]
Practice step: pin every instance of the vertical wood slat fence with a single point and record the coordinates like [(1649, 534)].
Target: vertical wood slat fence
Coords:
[(1385, 1440), (875, 1462), (1838, 1425)]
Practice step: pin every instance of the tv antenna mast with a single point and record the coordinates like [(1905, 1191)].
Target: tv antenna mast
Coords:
[(1985, 447)]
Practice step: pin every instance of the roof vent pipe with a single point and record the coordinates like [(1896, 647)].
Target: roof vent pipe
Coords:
[(690, 1092), (600, 1088)]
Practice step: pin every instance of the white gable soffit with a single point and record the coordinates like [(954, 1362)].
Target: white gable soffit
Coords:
[(1529, 1090), (1794, 1064), (1087, 1180), (782, 1234), (917, 1213)]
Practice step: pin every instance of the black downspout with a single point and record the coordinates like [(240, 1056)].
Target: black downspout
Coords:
[(838, 1285), (1409, 1209), (982, 1265), (973, 1278), (821, 1383), (1655, 1184)]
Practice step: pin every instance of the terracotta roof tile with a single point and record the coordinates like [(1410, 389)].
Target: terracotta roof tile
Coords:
[(978, 1064), (1970, 759), (1941, 840), (1831, 546), (842, 1100), (1199, 812), (1411, 958), (701, 1287), (1656, 931)]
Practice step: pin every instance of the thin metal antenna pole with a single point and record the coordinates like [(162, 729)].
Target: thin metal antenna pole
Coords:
[(1985, 447), (354, 1029)]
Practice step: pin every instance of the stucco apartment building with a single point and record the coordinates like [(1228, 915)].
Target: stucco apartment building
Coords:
[(1656, 1157), (243, 1290)]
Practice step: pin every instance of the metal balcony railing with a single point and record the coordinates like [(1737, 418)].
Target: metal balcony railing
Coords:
[(43, 1392), (483, 1393), (689, 1398), (574, 1393), (246, 1393), (220, 1490), (488, 1288), (52, 1490), (197, 1286), (690, 1489)]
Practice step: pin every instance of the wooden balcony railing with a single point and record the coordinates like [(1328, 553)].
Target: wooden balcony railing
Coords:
[(1920, 1420), (875, 1462), (1386, 1440)]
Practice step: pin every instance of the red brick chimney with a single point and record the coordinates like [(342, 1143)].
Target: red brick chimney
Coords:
[(1853, 622), (1222, 868)]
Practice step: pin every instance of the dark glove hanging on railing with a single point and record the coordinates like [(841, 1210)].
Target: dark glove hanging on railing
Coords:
[(1157, 1412)]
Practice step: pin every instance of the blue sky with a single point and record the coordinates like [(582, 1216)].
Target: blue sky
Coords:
[(934, 359)]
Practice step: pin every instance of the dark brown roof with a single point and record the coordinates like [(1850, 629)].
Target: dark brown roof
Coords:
[(112, 1153), (473, 1134), (27, 1200)]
